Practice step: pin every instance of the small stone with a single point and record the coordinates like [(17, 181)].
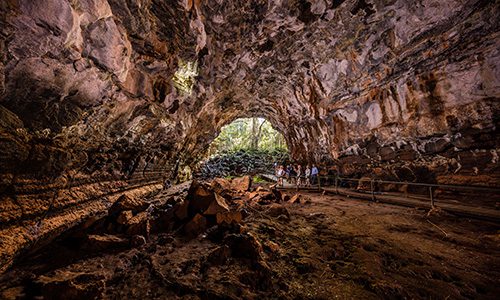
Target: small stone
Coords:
[(102, 242), (219, 256), (137, 240), (221, 186), (272, 246), (125, 202), (294, 198), (181, 210), (277, 210)]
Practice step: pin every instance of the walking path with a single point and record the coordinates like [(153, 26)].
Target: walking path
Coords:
[(400, 199)]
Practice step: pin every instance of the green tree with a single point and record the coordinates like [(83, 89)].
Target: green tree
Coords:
[(248, 133)]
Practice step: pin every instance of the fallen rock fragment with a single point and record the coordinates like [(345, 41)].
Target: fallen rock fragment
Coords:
[(299, 199), (242, 183), (261, 189), (96, 242), (244, 245), (294, 198), (277, 210), (139, 225), (272, 247), (137, 241), (71, 285), (229, 217), (222, 186), (125, 202), (195, 226), (217, 206), (200, 197), (124, 217), (181, 210)]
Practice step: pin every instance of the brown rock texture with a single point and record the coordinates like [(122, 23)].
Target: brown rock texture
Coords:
[(99, 98)]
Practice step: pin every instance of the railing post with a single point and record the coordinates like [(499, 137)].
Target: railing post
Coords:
[(431, 196)]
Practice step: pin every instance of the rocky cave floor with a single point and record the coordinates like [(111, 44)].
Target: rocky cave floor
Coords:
[(320, 247)]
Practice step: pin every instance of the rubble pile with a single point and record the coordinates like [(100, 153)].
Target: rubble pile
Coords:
[(212, 211), (192, 210), (240, 163)]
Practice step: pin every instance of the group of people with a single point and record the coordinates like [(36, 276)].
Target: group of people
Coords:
[(296, 174)]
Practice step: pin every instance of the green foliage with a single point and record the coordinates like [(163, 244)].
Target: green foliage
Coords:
[(184, 77), (258, 179), (248, 133)]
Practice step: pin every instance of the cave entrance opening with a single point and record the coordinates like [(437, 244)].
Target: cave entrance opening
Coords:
[(245, 146)]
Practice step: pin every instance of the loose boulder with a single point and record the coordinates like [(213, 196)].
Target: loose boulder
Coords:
[(125, 202), (242, 184), (195, 226)]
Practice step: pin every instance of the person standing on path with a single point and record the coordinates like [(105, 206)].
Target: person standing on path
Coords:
[(307, 176), (314, 174)]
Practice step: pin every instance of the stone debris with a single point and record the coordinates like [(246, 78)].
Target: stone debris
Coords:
[(125, 202), (229, 217), (218, 206), (139, 225), (219, 256), (298, 199), (195, 226), (96, 242), (278, 210), (242, 183), (71, 285), (124, 217), (239, 163), (244, 245)]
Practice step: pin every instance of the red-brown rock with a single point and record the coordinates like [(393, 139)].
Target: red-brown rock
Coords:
[(139, 225), (195, 226), (125, 202), (124, 217), (242, 183), (229, 217), (217, 206)]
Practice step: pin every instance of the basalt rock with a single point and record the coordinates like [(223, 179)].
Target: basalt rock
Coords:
[(104, 97)]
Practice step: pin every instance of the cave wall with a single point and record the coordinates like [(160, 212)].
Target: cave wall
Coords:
[(395, 89)]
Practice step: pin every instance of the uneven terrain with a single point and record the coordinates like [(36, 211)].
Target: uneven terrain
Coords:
[(319, 247)]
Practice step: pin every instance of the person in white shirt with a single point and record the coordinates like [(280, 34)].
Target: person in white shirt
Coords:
[(280, 173), (299, 175), (308, 176)]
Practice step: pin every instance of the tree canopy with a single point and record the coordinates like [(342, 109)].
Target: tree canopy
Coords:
[(248, 133)]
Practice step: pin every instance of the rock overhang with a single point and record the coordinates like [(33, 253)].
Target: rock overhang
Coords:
[(331, 76)]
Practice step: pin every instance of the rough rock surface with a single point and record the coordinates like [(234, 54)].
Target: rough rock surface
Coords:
[(90, 97)]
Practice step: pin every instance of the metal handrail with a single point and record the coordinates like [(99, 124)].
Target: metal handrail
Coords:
[(431, 186), (473, 188)]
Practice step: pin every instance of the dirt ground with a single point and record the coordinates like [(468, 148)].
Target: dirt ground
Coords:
[(331, 248)]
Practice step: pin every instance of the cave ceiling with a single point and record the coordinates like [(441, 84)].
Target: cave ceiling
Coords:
[(330, 75)]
